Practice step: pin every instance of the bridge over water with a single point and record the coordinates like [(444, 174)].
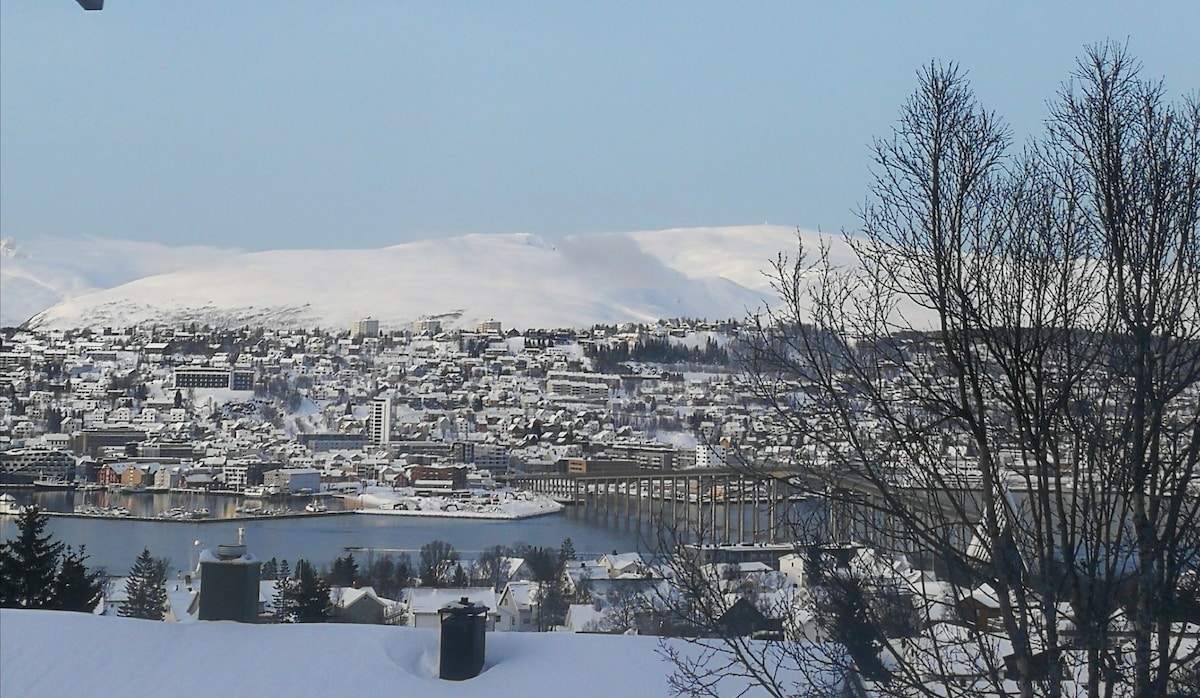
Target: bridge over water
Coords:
[(719, 505)]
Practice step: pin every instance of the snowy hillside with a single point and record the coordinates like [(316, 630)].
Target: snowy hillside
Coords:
[(37, 274), (47, 653), (522, 280)]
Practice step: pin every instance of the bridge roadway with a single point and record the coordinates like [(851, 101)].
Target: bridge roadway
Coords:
[(722, 505), (732, 505)]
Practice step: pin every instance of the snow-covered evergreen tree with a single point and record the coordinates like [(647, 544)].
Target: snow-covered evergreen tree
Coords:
[(345, 571), (29, 563), (146, 589), (304, 598), (76, 588)]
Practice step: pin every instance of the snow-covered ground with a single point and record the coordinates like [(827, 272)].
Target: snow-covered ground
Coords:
[(501, 504), (46, 653)]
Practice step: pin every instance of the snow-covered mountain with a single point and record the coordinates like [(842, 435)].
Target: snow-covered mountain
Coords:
[(520, 279), (36, 274)]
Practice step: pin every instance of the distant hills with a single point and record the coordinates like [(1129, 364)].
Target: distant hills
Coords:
[(521, 280), (39, 273)]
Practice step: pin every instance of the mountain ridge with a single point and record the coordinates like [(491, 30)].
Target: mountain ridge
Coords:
[(520, 279)]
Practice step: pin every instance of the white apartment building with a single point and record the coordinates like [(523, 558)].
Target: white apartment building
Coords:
[(366, 327), (710, 455), (582, 385), (488, 327), (380, 423), (429, 327)]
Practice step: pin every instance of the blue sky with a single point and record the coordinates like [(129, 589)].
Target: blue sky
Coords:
[(302, 124)]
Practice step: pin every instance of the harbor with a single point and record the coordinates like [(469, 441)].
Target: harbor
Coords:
[(116, 513), (203, 508), (114, 543)]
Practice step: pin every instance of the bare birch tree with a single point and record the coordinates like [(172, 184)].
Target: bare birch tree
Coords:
[(1006, 389)]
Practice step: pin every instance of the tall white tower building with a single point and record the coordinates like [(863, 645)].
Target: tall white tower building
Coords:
[(380, 429)]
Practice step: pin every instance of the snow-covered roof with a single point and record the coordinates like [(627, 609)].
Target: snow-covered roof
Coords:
[(985, 595), (580, 616), (622, 561), (429, 600), (512, 566), (114, 590), (266, 593), (207, 555), (523, 594), (348, 596), (246, 659), (579, 570), (181, 600)]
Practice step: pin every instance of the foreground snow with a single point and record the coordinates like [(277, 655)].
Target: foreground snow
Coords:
[(45, 653)]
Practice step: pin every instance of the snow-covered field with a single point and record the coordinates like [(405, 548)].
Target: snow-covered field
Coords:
[(45, 654)]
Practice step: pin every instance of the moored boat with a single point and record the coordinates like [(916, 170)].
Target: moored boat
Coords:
[(9, 505)]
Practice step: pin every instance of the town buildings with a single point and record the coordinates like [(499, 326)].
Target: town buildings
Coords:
[(231, 405)]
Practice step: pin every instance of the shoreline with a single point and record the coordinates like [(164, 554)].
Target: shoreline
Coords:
[(103, 517), (372, 503), (489, 516)]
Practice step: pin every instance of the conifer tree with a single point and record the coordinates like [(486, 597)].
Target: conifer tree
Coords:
[(460, 577), (552, 605), (380, 575), (146, 589), (566, 552), (345, 571), (28, 563), (304, 598), (76, 588), (403, 574)]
